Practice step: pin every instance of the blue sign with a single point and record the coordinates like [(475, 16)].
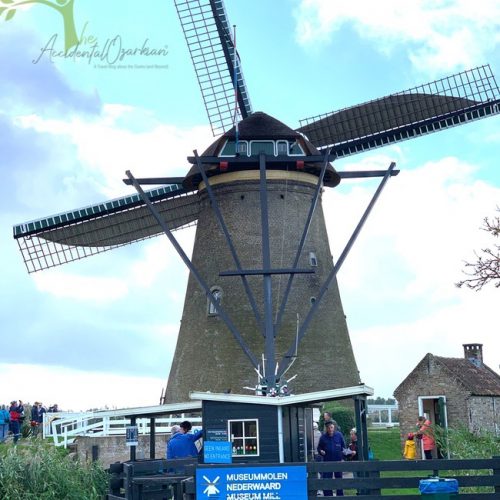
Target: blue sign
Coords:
[(252, 483), (217, 452)]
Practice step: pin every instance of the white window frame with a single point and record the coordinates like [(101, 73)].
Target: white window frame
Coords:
[(313, 260), (287, 147), (231, 438)]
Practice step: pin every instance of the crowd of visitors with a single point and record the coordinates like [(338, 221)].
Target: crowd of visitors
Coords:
[(13, 417)]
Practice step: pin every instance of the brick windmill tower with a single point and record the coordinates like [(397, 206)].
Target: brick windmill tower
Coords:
[(262, 305)]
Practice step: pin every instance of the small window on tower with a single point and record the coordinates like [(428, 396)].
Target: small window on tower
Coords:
[(217, 295), (313, 261)]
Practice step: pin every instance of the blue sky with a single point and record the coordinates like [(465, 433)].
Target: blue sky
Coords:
[(102, 331)]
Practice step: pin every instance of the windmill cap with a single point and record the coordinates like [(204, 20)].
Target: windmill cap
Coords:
[(261, 126)]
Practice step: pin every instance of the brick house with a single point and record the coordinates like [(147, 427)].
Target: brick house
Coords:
[(451, 392)]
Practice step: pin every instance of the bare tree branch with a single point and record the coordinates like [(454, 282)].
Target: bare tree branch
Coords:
[(486, 268)]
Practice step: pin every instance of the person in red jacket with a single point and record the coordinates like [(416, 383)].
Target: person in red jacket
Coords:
[(15, 412), (426, 433)]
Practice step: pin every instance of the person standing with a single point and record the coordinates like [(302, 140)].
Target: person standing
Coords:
[(330, 447), (410, 451), (34, 419), (182, 443), (4, 423), (41, 412), (427, 435), (15, 420), (352, 448)]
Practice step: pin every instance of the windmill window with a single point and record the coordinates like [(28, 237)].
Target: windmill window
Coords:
[(282, 148), (296, 149), (244, 437), (242, 148), (229, 149), (217, 295), (266, 147), (313, 261)]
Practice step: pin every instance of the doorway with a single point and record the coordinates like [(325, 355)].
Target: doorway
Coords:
[(434, 409)]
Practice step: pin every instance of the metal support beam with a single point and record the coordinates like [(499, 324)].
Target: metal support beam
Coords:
[(267, 279), (254, 272), (218, 307), (307, 225), (229, 241), (289, 356)]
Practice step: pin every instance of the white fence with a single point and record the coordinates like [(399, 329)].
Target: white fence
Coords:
[(63, 427), (383, 415)]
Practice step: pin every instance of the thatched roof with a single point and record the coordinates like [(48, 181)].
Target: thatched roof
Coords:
[(260, 126)]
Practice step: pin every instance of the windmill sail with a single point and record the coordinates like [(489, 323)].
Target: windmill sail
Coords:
[(70, 236), (454, 100), (208, 36)]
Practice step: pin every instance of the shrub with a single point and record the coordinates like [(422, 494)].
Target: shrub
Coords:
[(461, 444), (343, 415), (39, 470)]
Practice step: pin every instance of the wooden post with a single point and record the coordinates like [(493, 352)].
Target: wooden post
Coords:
[(133, 421), (152, 438)]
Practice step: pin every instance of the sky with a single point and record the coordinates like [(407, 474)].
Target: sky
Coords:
[(101, 332)]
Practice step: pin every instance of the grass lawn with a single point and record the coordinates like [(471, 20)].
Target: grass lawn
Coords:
[(386, 445)]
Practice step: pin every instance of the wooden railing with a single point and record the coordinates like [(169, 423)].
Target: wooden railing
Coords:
[(151, 479)]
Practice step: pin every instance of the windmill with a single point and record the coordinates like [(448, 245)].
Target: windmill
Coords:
[(262, 304)]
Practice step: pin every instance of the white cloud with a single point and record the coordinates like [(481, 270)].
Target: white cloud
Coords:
[(387, 354), (61, 284), (440, 35), (398, 281), (76, 390), (426, 220), (123, 138)]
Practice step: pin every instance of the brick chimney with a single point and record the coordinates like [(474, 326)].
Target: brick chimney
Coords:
[(474, 353)]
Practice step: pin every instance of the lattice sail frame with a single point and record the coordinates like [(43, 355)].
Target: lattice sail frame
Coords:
[(454, 100), (208, 36), (70, 236)]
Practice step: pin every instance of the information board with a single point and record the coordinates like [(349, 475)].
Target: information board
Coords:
[(252, 483), (132, 435)]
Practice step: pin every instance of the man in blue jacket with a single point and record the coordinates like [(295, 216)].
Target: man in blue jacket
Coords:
[(330, 447), (182, 443)]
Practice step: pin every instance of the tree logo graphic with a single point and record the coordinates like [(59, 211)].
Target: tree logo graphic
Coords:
[(64, 7)]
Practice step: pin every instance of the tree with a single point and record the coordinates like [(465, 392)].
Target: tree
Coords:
[(486, 268), (64, 7)]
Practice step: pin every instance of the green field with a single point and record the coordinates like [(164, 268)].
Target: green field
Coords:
[(386, 445)]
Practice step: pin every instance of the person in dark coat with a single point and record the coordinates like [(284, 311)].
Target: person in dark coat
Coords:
[(331, 446)]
